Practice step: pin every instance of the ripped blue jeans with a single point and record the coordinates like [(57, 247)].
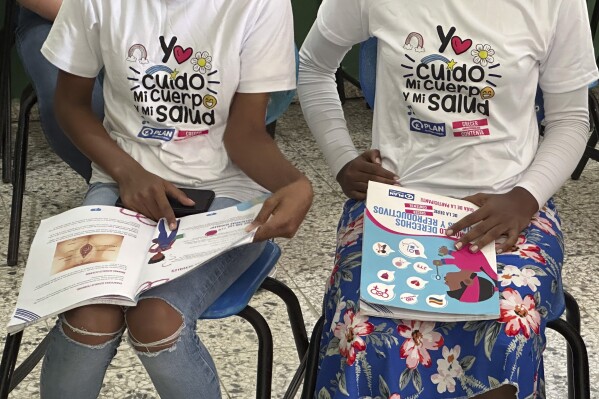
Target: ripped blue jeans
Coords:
[(182, 370)]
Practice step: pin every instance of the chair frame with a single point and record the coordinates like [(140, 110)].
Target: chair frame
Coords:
[(7, 40)]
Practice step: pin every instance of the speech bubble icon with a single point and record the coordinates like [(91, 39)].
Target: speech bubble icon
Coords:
[(436, 301), (416, 283), (421, 267), (400, 263), (386, 275), (410, 299), (411, 248), (382, 249), (380, 291)]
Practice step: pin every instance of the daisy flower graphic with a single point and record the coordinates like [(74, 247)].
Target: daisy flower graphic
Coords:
[(483, 54), (202, 62)]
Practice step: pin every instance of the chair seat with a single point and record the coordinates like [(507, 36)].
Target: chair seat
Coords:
[(236, 298)]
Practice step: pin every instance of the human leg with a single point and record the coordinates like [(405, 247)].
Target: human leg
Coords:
[(31, 33), (85, 339), (82, 344), (372, 356), (162, 327)]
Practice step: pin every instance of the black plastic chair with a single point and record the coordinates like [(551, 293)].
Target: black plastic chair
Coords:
[(233, 302), (27, 101), (6, 42), (577, 358)]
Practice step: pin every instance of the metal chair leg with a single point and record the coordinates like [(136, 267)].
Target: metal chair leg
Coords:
[(579, 388), (5, 116), (573, 318), (294, 311), (297, 379), (9, 359), (265, 351), (6, 44), (28, 99), (312, 362), (6, 132)]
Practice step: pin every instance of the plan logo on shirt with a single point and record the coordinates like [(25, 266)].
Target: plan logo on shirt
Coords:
[(420, 126), (156, 133), (401, 194)]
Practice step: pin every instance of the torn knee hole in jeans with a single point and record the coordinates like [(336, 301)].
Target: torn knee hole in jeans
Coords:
[(156, 347), (84, 333)]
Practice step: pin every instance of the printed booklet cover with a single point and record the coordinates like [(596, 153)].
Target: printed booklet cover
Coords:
[(411, 269)]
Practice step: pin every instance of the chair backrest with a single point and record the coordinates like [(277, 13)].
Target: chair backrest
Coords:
[(594, 12)]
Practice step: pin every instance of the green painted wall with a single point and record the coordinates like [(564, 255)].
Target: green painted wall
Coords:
[(304, 14)]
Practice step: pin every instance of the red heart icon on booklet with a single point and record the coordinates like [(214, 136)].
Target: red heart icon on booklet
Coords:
[(182, 55), (460, 46), (385, 276)]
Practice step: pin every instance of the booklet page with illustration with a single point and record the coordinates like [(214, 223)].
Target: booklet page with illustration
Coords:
[(411, 269), (107, 254)]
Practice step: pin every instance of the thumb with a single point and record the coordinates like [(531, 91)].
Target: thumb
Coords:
[(374, 156), (267, 209)]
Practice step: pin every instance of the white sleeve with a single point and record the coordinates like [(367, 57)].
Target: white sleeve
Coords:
[(566, 135), (268, 50), (317, 91), (570, 61), (344, 22), (73, 43)]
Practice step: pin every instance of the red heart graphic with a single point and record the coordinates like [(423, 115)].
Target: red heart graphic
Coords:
[(384, 276), (459, 45), (182, 55)]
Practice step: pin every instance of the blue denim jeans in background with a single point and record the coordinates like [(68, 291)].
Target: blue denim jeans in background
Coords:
[(186, 370), (31, 33)]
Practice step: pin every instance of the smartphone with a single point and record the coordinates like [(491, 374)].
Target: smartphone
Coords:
[(202, 198)]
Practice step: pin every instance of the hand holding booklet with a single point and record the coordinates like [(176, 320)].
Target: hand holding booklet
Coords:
[(108, 254), (411, 268)]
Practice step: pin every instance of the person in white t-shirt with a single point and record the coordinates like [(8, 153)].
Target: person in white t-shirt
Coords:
[(454, 114), (185, 90)]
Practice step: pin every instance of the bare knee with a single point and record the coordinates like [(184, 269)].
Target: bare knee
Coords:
[(93, 324), (503, 392), (153, 325)]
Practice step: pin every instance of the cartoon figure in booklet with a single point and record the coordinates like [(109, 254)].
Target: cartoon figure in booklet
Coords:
[(163, 242), (467, 285)]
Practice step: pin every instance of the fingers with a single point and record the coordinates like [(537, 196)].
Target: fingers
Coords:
[(282, 214), (164, 209), (373, 156), (511, 240), (356, 174), (375, 170), (153, 203), (267, 209), (177, 194), (465, 222)]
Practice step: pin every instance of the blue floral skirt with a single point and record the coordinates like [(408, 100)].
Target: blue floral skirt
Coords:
[(380, 358)]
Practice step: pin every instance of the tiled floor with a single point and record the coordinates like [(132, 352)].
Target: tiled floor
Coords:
[(304, 266)]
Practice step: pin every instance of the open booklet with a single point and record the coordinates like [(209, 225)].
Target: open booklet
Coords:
[(106, 254), (411, 269)]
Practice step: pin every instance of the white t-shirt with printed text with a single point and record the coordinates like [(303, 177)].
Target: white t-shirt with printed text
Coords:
[(171, 68), (456, 82)]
